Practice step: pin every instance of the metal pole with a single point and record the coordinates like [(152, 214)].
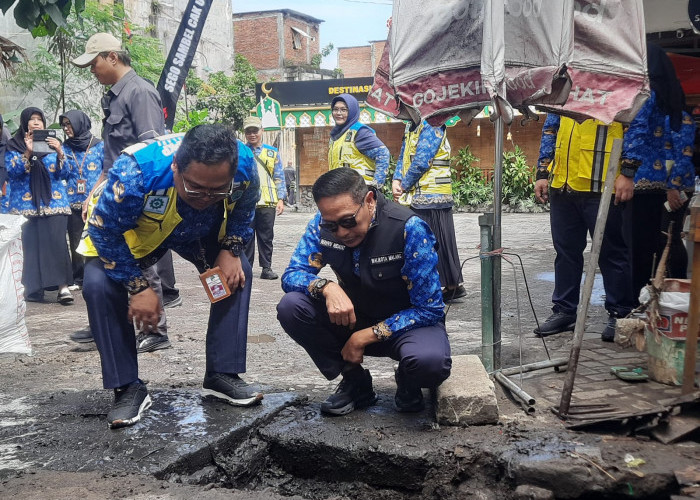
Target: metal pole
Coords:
[(497, 178), (531, 367), (485, 225), (514, 389), (582, 311)]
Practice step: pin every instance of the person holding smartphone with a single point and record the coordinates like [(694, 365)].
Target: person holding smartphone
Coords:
[(37, 191)]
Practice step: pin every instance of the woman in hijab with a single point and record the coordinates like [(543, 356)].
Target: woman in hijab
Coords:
[(84, 155), (356, 145), (648, 148), (37, 191)]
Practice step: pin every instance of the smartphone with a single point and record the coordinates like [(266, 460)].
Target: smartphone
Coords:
[(39, 137)]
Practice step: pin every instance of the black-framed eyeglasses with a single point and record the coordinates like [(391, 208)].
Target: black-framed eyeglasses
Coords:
[(345, 222), (193, 193)]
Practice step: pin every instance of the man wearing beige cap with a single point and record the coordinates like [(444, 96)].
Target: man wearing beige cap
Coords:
[(133, 114), (273, 192), (132, 106)]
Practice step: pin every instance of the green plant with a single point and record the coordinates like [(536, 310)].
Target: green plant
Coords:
[(518, 184), (227, 98), (194, 118), (469, 187), (318, 58), (42, 17)]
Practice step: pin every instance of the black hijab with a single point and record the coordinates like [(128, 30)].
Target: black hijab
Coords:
[(39, 180), (82, 137), (665, 84)]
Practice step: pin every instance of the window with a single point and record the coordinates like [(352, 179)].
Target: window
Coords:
[(297, 34)]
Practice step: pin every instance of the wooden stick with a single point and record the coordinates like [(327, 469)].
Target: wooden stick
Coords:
[(582, 312), (691, 339)]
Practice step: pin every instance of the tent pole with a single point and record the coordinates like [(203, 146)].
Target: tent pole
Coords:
[(487, 345), (497, 189)]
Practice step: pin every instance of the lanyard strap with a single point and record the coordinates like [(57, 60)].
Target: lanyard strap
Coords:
[(80, 168)]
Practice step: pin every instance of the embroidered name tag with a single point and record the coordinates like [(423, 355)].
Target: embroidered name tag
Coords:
[(156, 204), (331, 244), (383, 259)]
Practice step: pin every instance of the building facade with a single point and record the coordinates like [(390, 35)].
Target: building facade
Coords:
[(361, 60), (281, 44)]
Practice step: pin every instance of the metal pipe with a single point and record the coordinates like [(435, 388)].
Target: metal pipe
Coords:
[(531, 367), (485, 225), (497, 192), (527, 408), (516, 391)]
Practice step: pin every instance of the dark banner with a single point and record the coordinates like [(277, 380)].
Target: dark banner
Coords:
[(314, 92), (180, 57)]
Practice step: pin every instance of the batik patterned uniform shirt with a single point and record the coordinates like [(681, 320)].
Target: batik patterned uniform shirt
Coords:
[(82, 165), (119, 209)]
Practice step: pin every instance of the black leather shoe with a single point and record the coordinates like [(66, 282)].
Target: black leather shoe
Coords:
[(354, 391), (450, 294), (608, 334), (556, 323), (409, 397)]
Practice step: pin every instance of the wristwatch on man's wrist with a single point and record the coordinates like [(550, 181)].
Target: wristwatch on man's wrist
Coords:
[(236, 249), (316, 287), (628, 172)]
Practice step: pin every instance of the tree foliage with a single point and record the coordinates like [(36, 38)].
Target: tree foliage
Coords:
[(42, 17), (64, 86), (227, 98)]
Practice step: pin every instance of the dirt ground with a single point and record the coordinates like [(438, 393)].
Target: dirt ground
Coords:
[(277, 362)]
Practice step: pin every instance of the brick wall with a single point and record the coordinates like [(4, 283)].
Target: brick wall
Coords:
[(355, 61), (248, 35), (377, 50), (312, 144)]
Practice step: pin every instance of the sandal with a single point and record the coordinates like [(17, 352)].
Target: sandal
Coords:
[(65, 297), (629, 375)]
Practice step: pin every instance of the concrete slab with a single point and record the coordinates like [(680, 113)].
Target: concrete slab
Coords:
[(67, 431), (468, 397)]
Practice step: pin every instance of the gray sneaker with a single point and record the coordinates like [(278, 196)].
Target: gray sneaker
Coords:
[(82, 336), (268, 274), (230, 388), (129, 403)]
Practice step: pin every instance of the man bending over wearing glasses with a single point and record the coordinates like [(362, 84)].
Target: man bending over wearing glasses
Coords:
[(195, 195), (387, 301)]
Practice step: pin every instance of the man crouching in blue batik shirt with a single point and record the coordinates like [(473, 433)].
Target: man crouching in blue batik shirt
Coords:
[(195, 195), (387, 301)]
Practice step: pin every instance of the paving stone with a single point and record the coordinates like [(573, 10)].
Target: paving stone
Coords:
[(468, 397)]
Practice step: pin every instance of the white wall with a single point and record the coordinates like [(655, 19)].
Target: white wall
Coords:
[(215, 50)]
